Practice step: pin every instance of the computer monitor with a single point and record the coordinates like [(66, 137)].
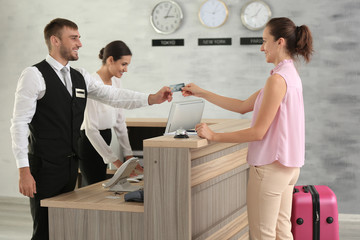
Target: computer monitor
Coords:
[(185, 115)]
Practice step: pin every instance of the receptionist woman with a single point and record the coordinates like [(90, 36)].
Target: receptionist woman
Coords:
[(99, 118)]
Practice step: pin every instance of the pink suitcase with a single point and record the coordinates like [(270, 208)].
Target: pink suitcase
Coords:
[(314, 213)]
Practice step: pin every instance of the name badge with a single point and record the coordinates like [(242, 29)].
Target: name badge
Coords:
[(80, 93)]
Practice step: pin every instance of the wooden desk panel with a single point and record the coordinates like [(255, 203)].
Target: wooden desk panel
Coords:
[(93, 212), (195, 188), (67, 223)]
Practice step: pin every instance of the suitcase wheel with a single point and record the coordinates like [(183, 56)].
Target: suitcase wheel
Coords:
[(299, 221)]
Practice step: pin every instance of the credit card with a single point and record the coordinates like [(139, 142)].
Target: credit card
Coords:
[(176, 87)]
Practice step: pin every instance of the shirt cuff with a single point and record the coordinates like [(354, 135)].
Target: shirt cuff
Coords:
[(22, 163), (128, 153), (110, 160), (147, 99)]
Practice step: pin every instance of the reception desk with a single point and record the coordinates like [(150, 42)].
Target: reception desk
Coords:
[(194, 189)]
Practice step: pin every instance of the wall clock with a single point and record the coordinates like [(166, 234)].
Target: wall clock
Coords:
[(255, 14), (213, 13), (166, 17)]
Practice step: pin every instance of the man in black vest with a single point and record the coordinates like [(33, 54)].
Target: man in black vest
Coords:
[(49, 103)]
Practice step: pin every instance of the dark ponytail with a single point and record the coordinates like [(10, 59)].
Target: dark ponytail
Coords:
[(298, 39), (101, 54), (304, 45), (116, 49)]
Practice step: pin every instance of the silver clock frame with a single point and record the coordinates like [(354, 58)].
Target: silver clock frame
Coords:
[(152, 14), (243, 17)]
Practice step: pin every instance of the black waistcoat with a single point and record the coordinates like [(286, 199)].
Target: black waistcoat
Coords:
[(55, 127)]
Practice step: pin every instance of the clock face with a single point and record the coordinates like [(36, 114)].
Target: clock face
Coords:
[(255, 15), (166, 17), (213, 13)]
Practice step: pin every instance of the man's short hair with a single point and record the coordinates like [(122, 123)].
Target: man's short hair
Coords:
[(55, 27)]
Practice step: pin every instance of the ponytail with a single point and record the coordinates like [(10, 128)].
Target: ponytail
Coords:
[(304, 45), (298, 39), (101, 54)]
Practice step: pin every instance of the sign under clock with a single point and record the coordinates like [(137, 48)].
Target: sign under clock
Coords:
[(214, 41), (166, 17), (213, 13), (167, 42), (255, 15)]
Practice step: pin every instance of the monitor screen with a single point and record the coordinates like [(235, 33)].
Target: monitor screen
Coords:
[(185, 115)]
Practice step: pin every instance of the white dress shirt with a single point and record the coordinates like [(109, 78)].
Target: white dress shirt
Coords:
[(99, 116), (31, 87)]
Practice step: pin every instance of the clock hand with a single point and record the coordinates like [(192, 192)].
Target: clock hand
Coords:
[(216, 8), (167, 14), (256, 13)]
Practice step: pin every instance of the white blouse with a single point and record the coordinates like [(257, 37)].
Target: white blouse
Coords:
[(99, 116)]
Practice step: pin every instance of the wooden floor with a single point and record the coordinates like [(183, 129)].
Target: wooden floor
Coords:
[(16, 223)]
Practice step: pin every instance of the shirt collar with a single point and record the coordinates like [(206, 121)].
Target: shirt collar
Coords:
[(55, 64), (280, 64)]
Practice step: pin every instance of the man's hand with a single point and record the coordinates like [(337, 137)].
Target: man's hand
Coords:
[(164, 94), (27, 184)]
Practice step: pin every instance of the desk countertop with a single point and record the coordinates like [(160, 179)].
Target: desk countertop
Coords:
[(217, 125), (160, 122), (93, 197)]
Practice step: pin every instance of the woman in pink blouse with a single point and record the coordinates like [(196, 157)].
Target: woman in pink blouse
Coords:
[(277, 133)]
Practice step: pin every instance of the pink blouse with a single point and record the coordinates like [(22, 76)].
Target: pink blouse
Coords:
[(285, 139)]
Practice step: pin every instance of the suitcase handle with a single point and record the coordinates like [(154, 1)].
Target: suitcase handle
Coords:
[(306, 189)]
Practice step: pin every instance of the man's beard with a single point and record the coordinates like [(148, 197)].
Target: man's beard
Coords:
[(66, 54)]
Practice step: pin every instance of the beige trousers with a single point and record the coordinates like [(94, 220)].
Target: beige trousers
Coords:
[(269, 201)]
